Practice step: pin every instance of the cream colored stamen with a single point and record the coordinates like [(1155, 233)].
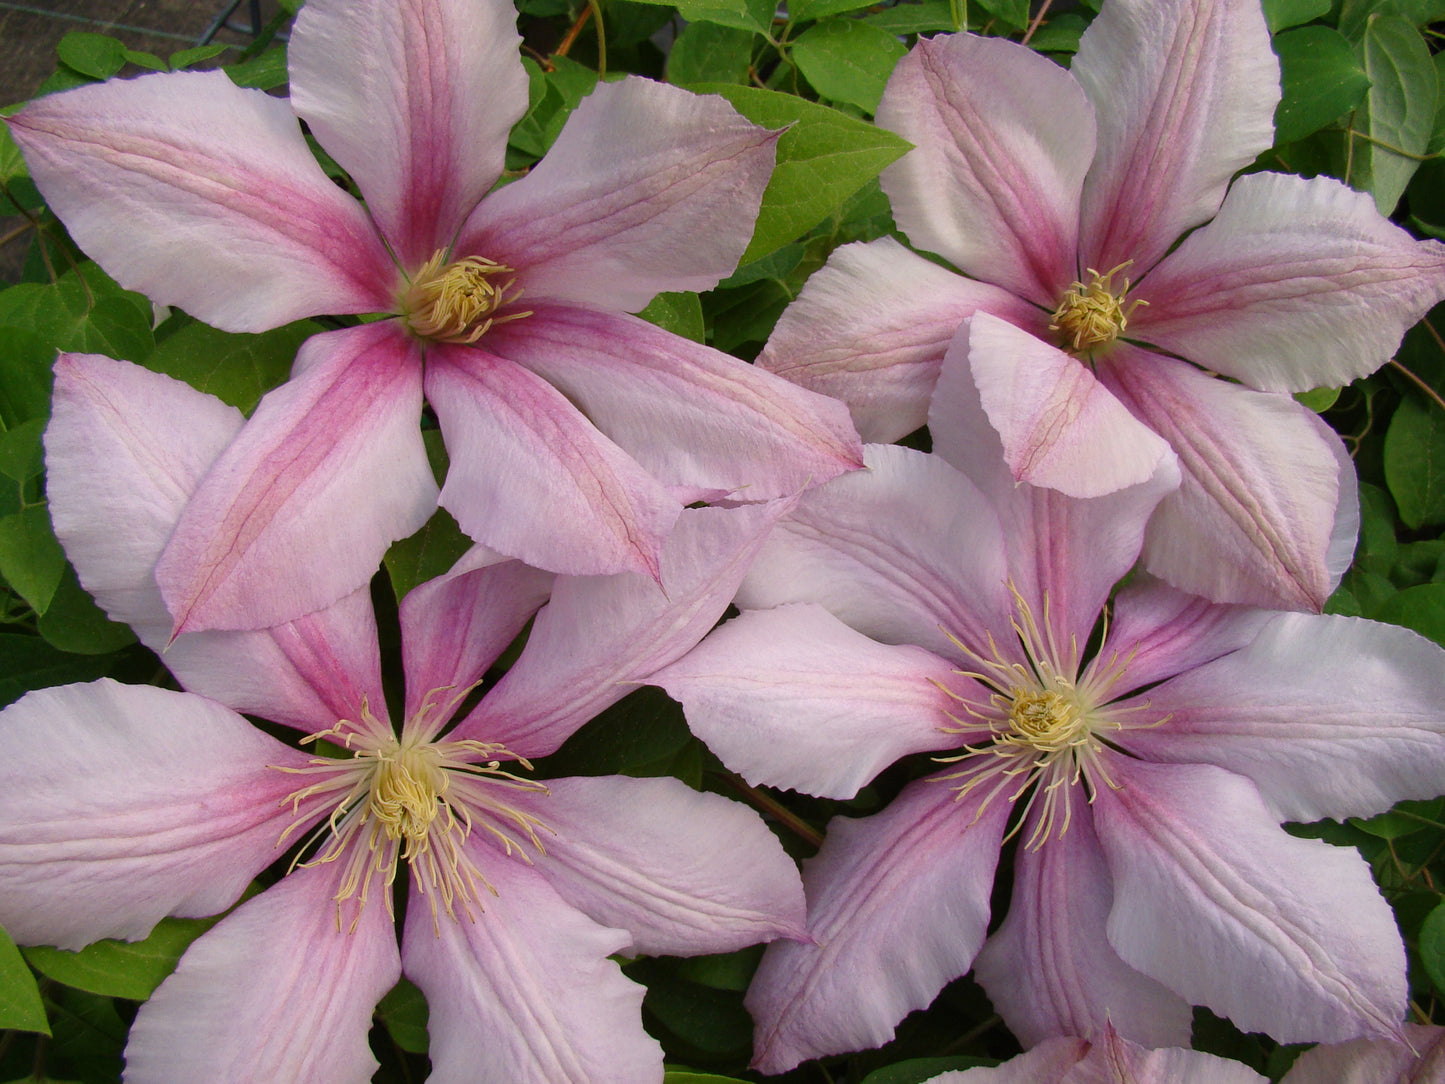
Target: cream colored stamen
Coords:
[(1092, 314), (457, 302)]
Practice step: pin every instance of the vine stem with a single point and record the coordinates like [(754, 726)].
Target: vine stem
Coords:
[(1433, 395), (1037, 19), (774, 808), (570, 37)]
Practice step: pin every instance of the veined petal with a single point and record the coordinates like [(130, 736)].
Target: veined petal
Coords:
[(414, 100), (897, 907), (1282, 935), (279, 990), (1185, 92), (526, 993), (792, 697), (204, 195), (299, 509), (647, 188), (1002, 139), (1298, 283), (1051, 1062), (121, 804), (871, 327), (1329, 716), (531, 477), (1254, 518), (1375, 1061), (691, 415), (683, 872)]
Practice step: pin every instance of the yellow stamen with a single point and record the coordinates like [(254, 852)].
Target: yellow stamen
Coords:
[(1092, 314), (457, 302)]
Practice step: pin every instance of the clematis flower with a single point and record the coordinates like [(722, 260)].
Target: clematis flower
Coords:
[(1417, 1058), (122, 804), (576, 432), (1060, 195), (933, 605)]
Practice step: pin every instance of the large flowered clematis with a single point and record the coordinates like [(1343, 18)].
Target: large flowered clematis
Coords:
[(122, 804), (576, 432), (1060, 195), (933, 605)]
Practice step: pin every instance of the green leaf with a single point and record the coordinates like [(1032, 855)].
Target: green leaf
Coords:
[(84, 310), (917, 1070), (96, 55), (184, 58), (679, 313), (1432, 946), (848, 61), (1419, 608), (804, 11), (1060, 34), (639, 735), (404, 1013), (31, 663), (1322, 80), (754, 15), (677, 1076), (1399, 822), (1286, 13), (1318, 399), (25, 359), (12, 163), (128, 969), (264, 72), (1013, 12), (1437, 137), (20, 1006), (1415, 463), (709, 53), (235, 368), (73, 622), (726, 971), (823, 158), (426, 554), (145, 60), (22, 455), (925, 18), (1399, 109), (31, 559)]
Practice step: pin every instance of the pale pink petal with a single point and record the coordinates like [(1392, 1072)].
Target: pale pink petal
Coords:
[(1060, 428), (279, 990), (792, 697), (203, 195), (683, 872), (600, 635), (648, 188), (122, 804), (526, 994), (1282, 935), (1002, 138), (531, 477), (1329, 716), (1340, 554), (1299, 283), (1375, 1061), (297, 512), (414, 100), (1049, 969), (1185, 92), (1048, 1063), (1254, 519), (906, 552), (871, 327), (897, 907), (691, 415), (1109, 1060)]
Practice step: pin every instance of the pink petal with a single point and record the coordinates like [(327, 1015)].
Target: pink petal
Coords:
[(1329, 716), (279, 990), (792, 697), (897, 907), (691, 415), (601, 634), (526, 993), (871, 326), (1109, 1060), (648, 188), (414, 100), (204, 195), (530, 476), (1051, 1062), (1185, 92), (1254, 518), (684, 873), (1375, 1061), (1002, 139), (331, 464), (121, 804), (1282, 935), (1297, 284)]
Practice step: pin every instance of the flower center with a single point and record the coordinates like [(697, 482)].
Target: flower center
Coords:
[(1093, 314), (1046, 721), (406, 790), (457, 302)]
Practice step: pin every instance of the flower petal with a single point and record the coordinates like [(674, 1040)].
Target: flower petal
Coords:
[(792, 697), (279, 990), (871, 327), (1298, 283), (1282, 935), (201, 194), (648, 188), (415, 101), (1329, 716), (526, 993), (530, 477), (1185, 92), (121, 804), (1002, 139), (331, 463), (1051, 1062), (897, 907), (1375, 1061), (691, 415)]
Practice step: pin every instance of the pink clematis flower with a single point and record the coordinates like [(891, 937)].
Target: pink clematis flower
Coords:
[(122, 804), (934, 605), (576, 432), (1418, 1057), (1060, 195)]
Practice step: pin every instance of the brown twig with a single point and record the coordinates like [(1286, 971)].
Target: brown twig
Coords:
[(1037, 19), (775, 809), (1430, 392), (571, 36)]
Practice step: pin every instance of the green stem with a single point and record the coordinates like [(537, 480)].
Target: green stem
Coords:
[(775, 809)]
